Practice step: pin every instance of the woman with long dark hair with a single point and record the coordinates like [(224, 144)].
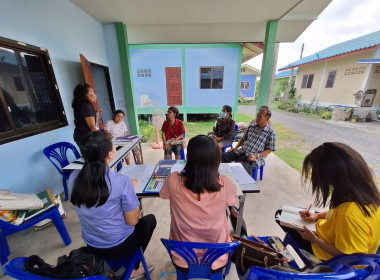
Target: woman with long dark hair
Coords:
[(199, 197), (86, 118), (340, 179), (107, 206)]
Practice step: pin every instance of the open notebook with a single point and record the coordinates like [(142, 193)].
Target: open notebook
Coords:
[(291, 218)]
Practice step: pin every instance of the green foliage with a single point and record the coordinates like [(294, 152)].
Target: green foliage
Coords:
[(148, 130), (355, 117), (325, 114), (307, 108)]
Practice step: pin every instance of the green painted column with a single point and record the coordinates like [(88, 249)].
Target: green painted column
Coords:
[(125, 61), (266, 68)]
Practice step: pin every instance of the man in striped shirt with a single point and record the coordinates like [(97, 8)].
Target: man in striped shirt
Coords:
[(258, 142)]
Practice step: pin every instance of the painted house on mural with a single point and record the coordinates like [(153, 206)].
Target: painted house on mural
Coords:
[(248, 81), (345, 74), (40, 65), (196, 78)]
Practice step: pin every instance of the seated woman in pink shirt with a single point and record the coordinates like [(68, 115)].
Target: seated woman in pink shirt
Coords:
[(199, 197)]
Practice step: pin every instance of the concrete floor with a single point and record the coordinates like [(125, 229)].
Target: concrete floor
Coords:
[(280, 185)]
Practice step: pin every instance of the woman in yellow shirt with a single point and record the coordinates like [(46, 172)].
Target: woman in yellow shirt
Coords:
[(341, 179)]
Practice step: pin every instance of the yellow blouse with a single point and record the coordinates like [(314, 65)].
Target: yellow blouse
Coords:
[(349, 230)]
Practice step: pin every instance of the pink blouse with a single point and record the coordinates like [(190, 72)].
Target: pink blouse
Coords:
[(198, 221)]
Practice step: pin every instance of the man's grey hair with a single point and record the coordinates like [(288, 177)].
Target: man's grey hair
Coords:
[(268, 113)]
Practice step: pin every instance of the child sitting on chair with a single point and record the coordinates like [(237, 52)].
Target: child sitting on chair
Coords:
[(116, 127)]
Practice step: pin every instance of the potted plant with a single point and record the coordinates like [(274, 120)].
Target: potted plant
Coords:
[(378, 114), (354, 118)]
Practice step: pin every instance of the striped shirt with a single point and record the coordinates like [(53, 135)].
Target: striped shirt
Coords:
[(257, 140)]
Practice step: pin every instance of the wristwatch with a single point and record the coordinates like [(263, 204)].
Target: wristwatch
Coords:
[(258, 156)]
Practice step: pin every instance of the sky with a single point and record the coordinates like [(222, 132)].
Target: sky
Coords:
[(342, 20)]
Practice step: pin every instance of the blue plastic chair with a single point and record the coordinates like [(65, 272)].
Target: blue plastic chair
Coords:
[(343, 265), (16, 269), (200, 268), (224, 149), (58, 152), (355, 266), (8, 229), (255, 171)]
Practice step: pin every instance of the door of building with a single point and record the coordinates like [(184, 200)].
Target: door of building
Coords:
[(174, 86), (97, 76)]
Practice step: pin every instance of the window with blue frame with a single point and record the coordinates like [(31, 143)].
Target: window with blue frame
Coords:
[(30, 102), (211, 77)]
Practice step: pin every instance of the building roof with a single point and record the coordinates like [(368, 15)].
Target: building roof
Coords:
[(251, 68), (286, 73), (200, 21), (369, 41)]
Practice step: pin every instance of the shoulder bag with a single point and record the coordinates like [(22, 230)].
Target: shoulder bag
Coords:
[(252, 253), (181, 142)]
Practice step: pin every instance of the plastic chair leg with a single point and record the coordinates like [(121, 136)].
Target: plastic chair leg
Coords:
[(4, 249), (262, 171), (139, 255), (254, 174), (182, 153), (60, 226), (64, 182)]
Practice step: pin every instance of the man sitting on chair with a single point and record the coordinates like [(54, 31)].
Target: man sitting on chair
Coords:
[(258, 142)]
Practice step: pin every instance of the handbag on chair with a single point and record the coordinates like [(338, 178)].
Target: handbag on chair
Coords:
[(252, 253)]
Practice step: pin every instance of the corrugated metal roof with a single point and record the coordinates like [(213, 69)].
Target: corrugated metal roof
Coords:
[(359, 43), (285, 74)]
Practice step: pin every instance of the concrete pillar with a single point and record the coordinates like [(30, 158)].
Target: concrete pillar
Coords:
[(267, 64), (125, 61)]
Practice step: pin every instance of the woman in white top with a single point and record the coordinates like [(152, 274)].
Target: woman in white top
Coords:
[(116, 127)]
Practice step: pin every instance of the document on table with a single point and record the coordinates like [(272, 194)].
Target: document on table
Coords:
[(241, 175), (143, 171), (177, 167)]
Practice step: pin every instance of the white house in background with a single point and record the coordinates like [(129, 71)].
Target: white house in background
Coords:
[(345, 74)]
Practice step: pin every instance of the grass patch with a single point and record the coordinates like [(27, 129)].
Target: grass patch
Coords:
[(290, 146)]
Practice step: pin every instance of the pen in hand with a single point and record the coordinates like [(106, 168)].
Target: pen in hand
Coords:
[(308, 211), (305, 213)]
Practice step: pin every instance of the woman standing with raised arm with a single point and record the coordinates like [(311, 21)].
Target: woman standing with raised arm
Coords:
[(199, 197), (86, 118), (340, 179), (107, 206)]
